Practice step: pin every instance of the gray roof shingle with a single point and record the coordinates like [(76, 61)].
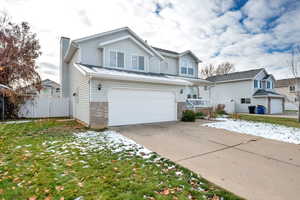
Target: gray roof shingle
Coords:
[(264, 92), (235, 76), (165, 50)]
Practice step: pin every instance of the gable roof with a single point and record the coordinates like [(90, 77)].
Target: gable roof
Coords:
[(165, 50), (49, 83), (244, 75), (119, 74), (134, 37), (176, 54), (262, 92)]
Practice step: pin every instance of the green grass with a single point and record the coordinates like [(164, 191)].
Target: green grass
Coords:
[(36, 163), (290, 122)]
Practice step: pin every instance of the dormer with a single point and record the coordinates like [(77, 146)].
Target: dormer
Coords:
[(181, 64), (264, 81)]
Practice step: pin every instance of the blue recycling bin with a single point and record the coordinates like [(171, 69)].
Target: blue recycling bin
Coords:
[(260, 109)]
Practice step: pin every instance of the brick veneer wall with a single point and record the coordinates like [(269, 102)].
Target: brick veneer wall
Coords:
[(98, 114)]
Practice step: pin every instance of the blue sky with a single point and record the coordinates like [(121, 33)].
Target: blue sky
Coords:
[(249, 33)]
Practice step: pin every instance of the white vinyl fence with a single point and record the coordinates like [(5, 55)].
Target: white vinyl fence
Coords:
[(230, 107), (290, 106), (43, 107)]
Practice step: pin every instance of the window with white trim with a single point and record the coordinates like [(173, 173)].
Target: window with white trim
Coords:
[(116, 59), (187, 68), (138, 62), (245, 101), (255, 83), (268, 84), (292, 88)]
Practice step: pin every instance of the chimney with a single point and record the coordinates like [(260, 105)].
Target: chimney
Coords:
[(63, 70)]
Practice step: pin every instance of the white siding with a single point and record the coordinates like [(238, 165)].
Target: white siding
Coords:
[(154, 65), (89, 50), (79, 108), (169, 65), (129, 48), (204, 94), (191, 60), (225, 92), (101, 96)]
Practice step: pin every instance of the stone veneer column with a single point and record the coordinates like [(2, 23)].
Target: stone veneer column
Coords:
[(181, 106), (98, 115)]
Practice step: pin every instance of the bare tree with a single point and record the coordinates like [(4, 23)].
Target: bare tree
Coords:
[(295, 69), (225, 68), (211, 70), (208, 70), (19, 50)]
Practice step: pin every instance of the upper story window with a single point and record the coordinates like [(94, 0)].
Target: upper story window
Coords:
[(292, 88), (187, 68), (116, 59), (138, 62), (256, 83), (268, 84)]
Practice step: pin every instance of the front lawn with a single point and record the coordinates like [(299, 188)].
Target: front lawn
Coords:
[(290, 122), (63, 160)]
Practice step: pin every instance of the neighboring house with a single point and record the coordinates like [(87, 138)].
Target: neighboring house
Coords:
[(49, 89), (117, 78), (242, 89), (288, 88)]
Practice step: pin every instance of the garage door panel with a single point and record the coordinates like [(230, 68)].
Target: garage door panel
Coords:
[(127, 106), (276, 106)]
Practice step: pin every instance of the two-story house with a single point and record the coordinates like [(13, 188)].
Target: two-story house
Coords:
[(244, 89), (289, 88), (117, 78)]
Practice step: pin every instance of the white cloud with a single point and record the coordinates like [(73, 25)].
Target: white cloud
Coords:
[(206, 27)]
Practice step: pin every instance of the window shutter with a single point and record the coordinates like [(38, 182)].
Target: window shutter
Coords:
[(112, 59), (120, 60), (141, 63), (134, 62)]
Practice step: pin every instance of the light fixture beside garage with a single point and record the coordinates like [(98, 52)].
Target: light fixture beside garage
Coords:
[(99, 86), (181, 91)]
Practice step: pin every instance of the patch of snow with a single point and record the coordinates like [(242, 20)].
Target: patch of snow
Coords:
[(110, 140), (266, 130), (16, 122), (178, 173)]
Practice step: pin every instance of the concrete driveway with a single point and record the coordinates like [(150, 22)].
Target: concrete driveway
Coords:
[(249, 166)]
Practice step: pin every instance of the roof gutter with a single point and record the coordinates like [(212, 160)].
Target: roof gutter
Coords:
[(140, 79), (71, 51)]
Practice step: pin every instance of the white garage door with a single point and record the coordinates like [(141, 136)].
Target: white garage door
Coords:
[(128, 106), (276, 106)]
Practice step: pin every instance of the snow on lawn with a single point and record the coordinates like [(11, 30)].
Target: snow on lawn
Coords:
[(16, 122), (266, 130), (109, 140)]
